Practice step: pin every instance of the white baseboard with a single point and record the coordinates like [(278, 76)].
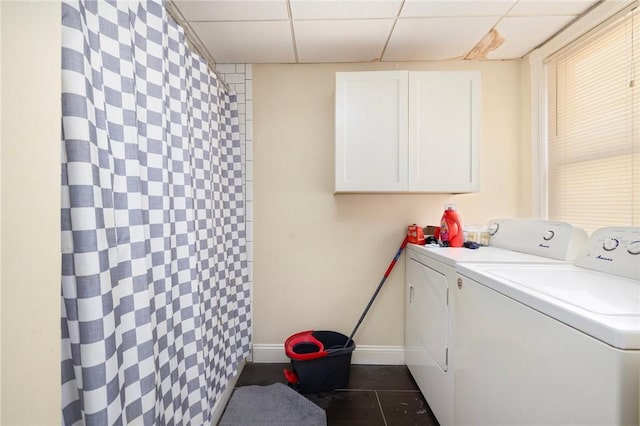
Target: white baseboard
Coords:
[(268, 353), (363, 354), (221, 403), (378, 355)]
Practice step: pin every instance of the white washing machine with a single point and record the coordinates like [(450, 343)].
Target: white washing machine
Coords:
[(551, 344), (430, 306)]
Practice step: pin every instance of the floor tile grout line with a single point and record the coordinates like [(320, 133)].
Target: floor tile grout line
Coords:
[(384, 419)]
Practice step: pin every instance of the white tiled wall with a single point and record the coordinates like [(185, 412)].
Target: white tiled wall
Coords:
[(239, 78)]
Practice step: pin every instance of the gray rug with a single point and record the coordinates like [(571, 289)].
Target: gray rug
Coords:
[(275, 404)]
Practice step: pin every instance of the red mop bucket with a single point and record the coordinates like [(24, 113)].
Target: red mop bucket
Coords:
[(321, 360)]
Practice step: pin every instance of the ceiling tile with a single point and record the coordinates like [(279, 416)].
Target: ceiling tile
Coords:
[(523, 34), (550, 7), (340, 9), (431, 39), (232, 10), (440, 8), (247, 42), (341, 41)]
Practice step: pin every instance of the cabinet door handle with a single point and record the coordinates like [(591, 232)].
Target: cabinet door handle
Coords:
[(410, 294)]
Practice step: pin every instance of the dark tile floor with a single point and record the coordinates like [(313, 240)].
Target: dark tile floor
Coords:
[(376, 395)]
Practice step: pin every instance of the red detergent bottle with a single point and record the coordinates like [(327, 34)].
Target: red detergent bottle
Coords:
[(451, 227)]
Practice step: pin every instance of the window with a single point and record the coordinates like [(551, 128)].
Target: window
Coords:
[(593, 127)]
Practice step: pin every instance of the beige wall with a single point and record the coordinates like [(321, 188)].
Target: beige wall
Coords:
[(30, 200), (318, 256)]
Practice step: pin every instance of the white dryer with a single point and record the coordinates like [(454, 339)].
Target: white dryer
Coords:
[(552, 344), (430, 306)]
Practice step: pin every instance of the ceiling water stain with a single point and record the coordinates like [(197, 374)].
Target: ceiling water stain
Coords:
[(490, 42)]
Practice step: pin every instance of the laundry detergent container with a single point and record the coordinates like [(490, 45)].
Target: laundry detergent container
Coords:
[(319, 359)]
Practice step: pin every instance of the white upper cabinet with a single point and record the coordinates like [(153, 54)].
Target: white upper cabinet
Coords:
[(406, 131), (371, 131), (444, 112)]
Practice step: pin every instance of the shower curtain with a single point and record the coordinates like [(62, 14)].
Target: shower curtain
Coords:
[(155, 292)]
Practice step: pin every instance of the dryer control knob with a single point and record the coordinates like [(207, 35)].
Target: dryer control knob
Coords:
[(493, 228), (610, 244), (634, 247), (548, 235)]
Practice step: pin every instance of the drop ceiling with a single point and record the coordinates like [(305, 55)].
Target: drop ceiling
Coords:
[(315, 31)]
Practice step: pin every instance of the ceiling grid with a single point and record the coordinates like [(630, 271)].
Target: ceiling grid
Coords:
[(318, 31)]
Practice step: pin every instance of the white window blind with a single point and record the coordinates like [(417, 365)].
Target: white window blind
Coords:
[(593, 134)]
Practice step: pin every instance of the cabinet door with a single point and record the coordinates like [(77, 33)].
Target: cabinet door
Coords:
[(371, 131), (444, 124)]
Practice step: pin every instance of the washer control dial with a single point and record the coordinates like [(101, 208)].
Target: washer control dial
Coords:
[(634, 247), (493, 228), (610, 244), (548, 235)]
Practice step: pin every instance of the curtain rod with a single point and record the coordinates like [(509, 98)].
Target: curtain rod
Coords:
[(193, 41)]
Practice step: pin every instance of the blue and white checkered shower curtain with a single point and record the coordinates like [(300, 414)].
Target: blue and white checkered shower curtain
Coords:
[(155, 292)]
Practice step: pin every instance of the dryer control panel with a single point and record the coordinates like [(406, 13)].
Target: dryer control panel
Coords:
[(555, 240), (614, 250)]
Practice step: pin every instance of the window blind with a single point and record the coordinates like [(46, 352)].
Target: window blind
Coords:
[(593, 128)]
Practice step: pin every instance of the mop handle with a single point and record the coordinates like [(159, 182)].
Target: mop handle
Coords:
[(375, 294)]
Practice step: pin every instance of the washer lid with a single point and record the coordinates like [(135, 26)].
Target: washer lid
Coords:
[(595, 292), (601, 305)]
